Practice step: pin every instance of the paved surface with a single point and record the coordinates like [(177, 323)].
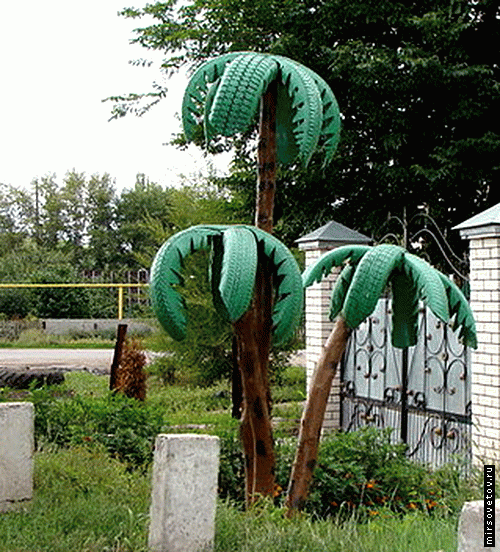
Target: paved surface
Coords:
[(98, 360), (92, 360)]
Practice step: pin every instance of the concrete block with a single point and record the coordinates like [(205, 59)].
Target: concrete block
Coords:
[(184, 493), (16, 454), (471, 527)]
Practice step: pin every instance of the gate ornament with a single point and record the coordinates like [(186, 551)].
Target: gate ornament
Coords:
[(367, 271)]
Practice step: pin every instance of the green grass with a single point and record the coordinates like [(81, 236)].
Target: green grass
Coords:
[(267, 531), (37, 339), (83, 500), (87, 501)]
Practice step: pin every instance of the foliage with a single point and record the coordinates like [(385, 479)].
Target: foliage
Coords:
[(416, 83), (126, 429), (365, 471), (83, 500), (361, 472)]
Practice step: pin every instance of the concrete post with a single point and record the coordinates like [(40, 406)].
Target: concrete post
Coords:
[(317, 305), (471, 527), (184, 493), (483, 233), (16, 454)]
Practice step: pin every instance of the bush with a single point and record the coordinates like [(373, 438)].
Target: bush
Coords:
[(15, 303), (364, 471), (125, 427), (360, 472)]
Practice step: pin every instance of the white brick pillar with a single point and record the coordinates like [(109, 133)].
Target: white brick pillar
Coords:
[(483, 233), (317, 306)]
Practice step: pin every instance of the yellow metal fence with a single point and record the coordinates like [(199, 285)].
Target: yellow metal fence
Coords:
[(120, 288)]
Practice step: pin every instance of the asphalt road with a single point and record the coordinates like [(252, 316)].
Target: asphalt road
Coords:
[(93, 360)]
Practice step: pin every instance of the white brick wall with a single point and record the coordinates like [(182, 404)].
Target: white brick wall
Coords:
[(318, 328), (485, 377)]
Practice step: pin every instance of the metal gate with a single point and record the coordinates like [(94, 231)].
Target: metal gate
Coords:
[(422, 392)]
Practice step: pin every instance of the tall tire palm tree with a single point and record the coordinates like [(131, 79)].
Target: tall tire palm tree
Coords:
[(366, 273), (298, 114), (236, 254)]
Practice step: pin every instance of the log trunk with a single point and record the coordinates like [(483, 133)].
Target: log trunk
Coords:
[(313, 416), (253, 330)]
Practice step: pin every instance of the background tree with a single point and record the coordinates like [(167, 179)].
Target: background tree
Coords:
[(145, 200), (102, 224), (417, 82), (62, 230)]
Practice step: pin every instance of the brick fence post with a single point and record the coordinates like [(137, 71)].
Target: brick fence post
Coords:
[(317, 305), (483, 233)]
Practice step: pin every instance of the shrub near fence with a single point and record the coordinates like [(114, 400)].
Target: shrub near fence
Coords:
[(11, 329)]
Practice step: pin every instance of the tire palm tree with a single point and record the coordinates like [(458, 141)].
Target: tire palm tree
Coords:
[(298, 115), (237, 252), (366, 273), (298, 112)]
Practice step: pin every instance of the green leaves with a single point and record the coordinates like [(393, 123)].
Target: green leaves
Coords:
[(369, 270), (235, 260), (308, 115)]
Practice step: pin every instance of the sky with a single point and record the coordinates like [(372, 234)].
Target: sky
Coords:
[(59, 59)]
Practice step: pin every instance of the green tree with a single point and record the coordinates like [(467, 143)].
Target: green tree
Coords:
[(48, 224), (366, 273), (73, 209), (103, 244), (146, 200), (417, 82)]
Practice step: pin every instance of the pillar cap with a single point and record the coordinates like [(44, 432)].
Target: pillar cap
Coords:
[(331, 235), (486, 223)]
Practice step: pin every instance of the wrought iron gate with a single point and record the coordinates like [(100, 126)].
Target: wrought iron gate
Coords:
[(422, 392)]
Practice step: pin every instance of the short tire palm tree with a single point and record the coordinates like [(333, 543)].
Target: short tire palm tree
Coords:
[(298, 115), (237, 252), (366, 272)]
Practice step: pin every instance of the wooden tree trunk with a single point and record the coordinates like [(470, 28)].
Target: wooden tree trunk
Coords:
[(253, 330), (313, 416), (253, 333)]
